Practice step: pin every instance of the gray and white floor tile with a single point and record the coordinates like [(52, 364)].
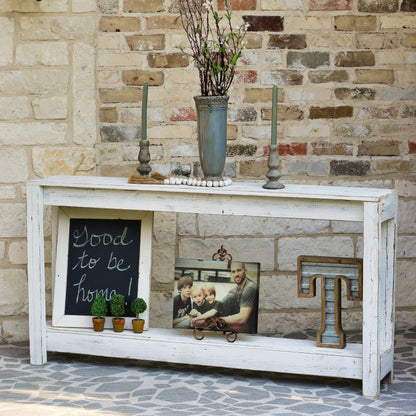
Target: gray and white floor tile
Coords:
[(75, 385)]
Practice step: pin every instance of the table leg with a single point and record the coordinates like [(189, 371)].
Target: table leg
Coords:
[(371, 307), (36, 275)]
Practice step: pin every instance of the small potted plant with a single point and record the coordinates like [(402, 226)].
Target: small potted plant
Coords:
[(117, 310), (138, 306), (99, 311)]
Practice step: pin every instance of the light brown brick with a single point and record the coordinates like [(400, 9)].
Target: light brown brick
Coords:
[(36, 26), (256, 95), (354, 59), (232, 131), (325, 148), (393, 165), (330, 112), (353, 130), (282, 77), (297, 59), (120, 95), (296, 23), (397, 21), (284, 112), (108, 115), (137, 77), (254, 168), (355, 23), (143, 6), (409, 40), (282, 41), (377, 40), (254, 41), (379, 148), (323, 76), (163, 22), (119, 24), (374, 76), (169, 60), (238, 4), (146, 42)]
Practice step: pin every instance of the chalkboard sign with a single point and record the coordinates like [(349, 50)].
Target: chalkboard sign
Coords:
[(99, 252), (103, 258)]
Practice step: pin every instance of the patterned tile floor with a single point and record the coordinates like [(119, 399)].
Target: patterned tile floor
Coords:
[(74, 385)]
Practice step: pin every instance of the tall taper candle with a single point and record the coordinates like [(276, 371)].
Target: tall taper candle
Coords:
[(144, 112), (274, 115)]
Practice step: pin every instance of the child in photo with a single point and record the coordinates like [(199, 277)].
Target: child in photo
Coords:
[(200, 306), (210, 297), (215, 306), (182, 305)]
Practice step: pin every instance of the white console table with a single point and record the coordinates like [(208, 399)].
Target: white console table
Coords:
[(370, 361)]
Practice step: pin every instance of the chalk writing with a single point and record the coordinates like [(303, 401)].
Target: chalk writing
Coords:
[(91, 263), (113, 263), (103, 259), (94, 240), (88, 295)]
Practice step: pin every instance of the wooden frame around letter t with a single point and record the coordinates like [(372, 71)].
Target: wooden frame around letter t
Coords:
[(331, 270)]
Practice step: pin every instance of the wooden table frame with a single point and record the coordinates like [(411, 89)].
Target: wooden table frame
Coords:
[(370, 361)]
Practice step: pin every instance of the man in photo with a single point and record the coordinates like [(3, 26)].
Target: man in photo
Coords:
[(241, 302)]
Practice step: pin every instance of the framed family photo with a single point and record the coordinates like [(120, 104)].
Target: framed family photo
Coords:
[(211, 288)]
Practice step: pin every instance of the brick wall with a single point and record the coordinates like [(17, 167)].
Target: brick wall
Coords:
[(71, 77), (47, 124)]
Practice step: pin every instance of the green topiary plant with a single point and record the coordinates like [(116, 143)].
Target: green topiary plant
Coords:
[(99, 311), (117, 306), (117, 310), (99, 307), (138, 306)]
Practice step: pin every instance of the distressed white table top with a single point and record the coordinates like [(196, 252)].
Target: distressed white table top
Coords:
[(237, 188)]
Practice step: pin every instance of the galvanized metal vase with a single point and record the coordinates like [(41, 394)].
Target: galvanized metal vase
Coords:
[(211, 115)]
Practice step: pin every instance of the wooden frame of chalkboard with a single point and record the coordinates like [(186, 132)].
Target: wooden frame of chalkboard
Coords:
[(100, 251)]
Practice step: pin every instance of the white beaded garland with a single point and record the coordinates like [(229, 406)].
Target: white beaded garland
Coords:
[(197, 182)]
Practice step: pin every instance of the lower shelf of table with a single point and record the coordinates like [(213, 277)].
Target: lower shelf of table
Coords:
[(249, 352)]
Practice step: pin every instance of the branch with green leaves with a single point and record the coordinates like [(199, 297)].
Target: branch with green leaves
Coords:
[(216, 48)]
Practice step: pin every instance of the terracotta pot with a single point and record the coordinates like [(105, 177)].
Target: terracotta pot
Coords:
[(118, 324), (138, 325), (98, 324)]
